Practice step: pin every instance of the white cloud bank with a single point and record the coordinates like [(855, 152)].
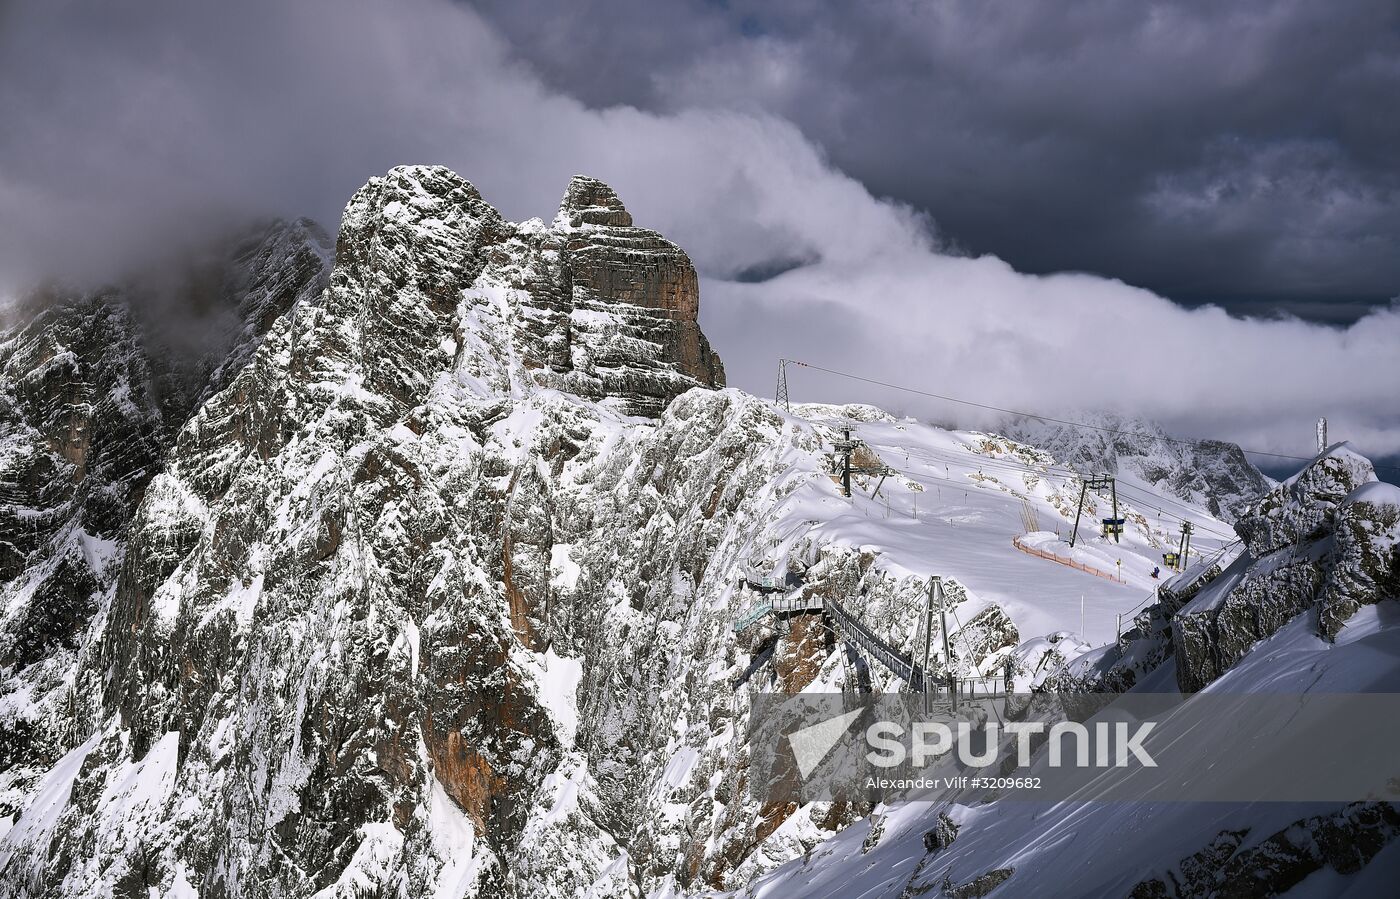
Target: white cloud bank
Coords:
[(166, 111)]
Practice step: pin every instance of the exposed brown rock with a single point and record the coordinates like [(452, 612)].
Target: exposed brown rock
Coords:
[(645, 280), (519, 605), (467, 776), (800, 654)]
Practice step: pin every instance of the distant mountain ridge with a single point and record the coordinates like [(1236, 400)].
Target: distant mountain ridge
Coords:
[(1214, 474)]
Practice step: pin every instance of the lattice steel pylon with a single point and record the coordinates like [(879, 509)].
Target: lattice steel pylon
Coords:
[(782, 397)]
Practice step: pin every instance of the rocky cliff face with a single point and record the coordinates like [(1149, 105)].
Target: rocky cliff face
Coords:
[(628, 284), (93, 389), (1325, 542), (603, 310), (355, 612), (1209, 473)]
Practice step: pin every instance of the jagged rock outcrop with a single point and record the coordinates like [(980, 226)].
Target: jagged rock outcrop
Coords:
[(1303, 508), (93, 389), (630, 287), (944, 832), (268, 273), (588, 201), (1323, 543), (1344, 841), (1365, 557), (1210, 473)]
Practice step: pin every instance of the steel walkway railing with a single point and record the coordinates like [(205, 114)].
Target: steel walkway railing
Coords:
[(795, 603), (752, 615), (899, 664), (856, 633)]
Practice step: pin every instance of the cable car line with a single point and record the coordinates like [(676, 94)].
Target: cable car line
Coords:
[(1145, 498), (1051, 419)]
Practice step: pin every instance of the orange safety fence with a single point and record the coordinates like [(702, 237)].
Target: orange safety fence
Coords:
[(1077, 566)]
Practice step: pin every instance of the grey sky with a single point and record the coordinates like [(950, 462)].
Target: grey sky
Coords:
[(1243, 153), (872, 168)]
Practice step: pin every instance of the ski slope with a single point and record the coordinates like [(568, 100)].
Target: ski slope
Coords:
[(1083, 847), (956, 500), (1089, 845)]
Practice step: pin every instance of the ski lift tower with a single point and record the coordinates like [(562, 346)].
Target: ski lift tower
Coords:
[(1111, 526), (1185, 550), (845, 447), (782, 394)]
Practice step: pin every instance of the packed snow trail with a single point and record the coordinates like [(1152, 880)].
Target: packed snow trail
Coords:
[(1342, 532), (953, 508)]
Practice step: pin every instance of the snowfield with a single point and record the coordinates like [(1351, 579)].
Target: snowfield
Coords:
[(953, 505)]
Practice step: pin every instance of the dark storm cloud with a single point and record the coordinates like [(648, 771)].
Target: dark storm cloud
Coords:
[(130, 126), (1243, 153), (132, 129)]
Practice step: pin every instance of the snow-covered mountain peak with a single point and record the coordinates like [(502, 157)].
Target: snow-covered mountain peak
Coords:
[(1211, 473), (593, 307), (1297, 509)]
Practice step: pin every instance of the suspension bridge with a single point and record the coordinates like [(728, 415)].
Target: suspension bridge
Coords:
[(861, 643)]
